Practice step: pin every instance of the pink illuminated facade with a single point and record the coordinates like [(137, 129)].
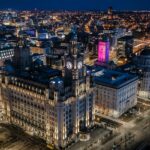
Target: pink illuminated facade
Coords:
[(103, 51)]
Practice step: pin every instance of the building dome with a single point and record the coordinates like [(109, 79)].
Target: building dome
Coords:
[(146, 51)]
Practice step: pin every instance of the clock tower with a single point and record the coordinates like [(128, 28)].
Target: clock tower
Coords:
[(73, 63), (77, 87)]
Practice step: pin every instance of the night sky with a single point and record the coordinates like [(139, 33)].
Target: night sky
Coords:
[(76, 4)]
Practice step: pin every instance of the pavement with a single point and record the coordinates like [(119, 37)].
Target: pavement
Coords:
[(10, 139), (131, 134), (96, 135), (128, 136)]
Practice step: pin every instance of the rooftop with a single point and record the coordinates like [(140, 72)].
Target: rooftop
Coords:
[(146, 51), (124, 38), (41, 75), (113, 78)]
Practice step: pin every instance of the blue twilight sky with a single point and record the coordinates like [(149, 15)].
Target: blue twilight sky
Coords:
[(76, 4)]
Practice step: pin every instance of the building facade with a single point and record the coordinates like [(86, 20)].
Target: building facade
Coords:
[(143, 62), (125, 46), (6, 54), (103, 51), (115, 92), (53, 107)]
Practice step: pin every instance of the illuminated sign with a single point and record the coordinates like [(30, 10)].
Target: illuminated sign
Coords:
[(103, 51)]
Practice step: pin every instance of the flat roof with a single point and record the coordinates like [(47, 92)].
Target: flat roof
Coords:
[(113, 78), (124, 38)]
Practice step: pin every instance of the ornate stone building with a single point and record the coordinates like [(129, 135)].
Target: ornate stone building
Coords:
[(47, 103)]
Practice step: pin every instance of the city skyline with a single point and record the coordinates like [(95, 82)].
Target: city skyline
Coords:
[(75, 4), (74, 75)]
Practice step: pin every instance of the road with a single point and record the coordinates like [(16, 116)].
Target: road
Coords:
[(137, 131), (140, 44), (12, 138)]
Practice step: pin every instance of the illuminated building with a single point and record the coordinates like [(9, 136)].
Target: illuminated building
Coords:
[(114, 35), (5, 54), (44, 102), (143, 62), (21, 59), (110, 13), (103, 51), (116, 92), (125, 47)]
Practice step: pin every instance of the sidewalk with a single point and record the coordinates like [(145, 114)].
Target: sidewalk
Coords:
[(113, 119)]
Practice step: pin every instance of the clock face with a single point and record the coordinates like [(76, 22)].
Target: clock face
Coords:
[(79, 65), (69, 65)]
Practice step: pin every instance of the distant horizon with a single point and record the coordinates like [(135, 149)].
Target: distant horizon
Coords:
[(76, 5), (60, 10)]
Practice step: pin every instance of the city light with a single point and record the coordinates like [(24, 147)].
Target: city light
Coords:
[(74, 77), (103, 51)]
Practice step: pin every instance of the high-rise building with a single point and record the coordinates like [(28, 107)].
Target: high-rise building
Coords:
[(103, 50), (22, 59), (125, 47)]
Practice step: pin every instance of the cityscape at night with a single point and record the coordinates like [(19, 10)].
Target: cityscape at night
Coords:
[(74, 75)]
